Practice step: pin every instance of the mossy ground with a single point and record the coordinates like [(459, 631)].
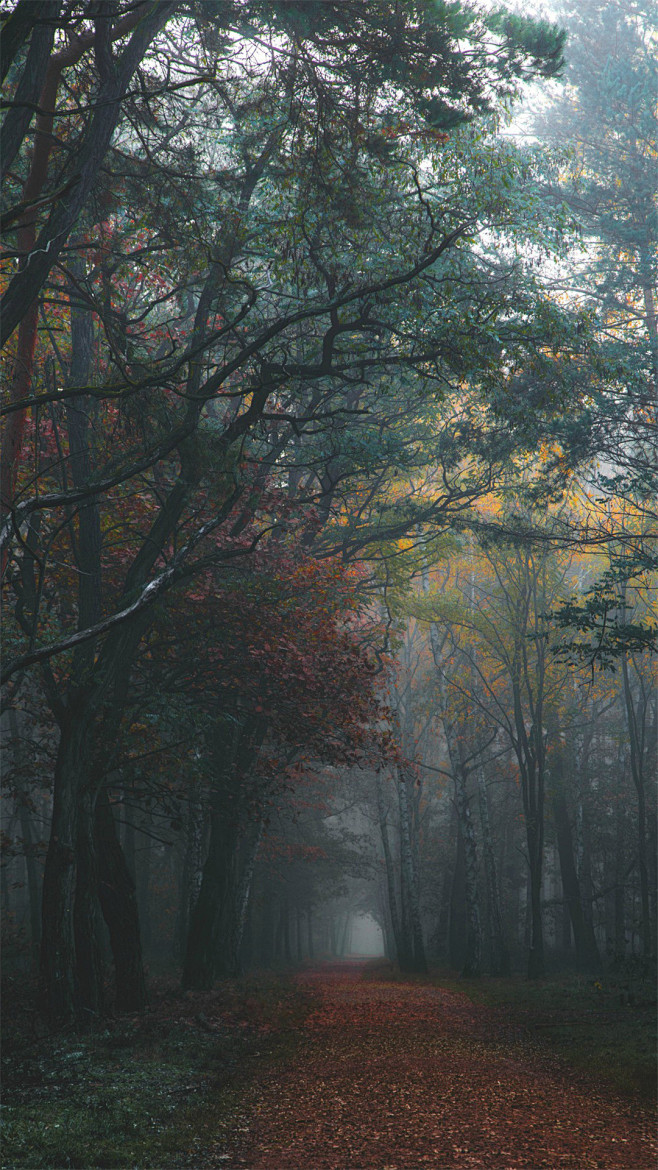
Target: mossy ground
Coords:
[(602, 1027), (158, 1092)]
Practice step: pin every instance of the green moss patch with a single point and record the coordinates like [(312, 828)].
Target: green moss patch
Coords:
[(152, 1092), (604, 1028)]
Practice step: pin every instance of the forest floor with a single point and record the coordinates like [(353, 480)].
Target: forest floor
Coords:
[(398, 1075), (343, 1067)]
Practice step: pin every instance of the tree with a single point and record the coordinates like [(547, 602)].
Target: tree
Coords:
[(607, 112), (188, 381), (506, 612)]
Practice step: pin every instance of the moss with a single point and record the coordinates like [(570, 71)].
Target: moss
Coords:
[(604, 1028), (150, 1093)]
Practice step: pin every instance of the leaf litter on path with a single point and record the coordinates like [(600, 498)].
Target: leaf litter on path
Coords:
[(399, 1076)]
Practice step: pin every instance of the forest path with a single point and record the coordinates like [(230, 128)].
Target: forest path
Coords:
[(395, 1076)]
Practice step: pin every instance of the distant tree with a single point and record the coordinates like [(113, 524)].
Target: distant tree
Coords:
[(607, 113)]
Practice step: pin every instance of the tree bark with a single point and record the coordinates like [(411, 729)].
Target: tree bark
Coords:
[(58, 958), (209, 945), (473, 943), (410, 877), (634, 723), (44, 252), (403, 948), (587, 951), (500, 960), (217, 919), (116, 890), (88, 954), (457, 923)]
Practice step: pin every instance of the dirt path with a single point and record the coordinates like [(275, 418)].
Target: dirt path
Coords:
[(397, 1076)]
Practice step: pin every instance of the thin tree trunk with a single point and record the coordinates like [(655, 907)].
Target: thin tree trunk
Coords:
[(587, 951), (457, 926), (27, 834), (31, 872), (285, 919), (499, 949), (192, 872), (342, 948), (536, 962), (309, 932), (250, 847), (637, 772)]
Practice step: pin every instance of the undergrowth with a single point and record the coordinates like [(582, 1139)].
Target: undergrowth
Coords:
[(157, 1091), (603, 1027)]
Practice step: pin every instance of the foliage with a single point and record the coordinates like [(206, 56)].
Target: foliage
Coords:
[(605, 616)]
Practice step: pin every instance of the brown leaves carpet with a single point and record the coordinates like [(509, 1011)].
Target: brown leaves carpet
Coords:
[(398, 1076)]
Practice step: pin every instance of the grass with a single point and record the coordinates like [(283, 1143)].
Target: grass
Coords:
[(158, 1092), (604, 1028)]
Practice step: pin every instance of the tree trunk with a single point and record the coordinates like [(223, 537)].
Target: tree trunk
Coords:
[(309, 932), (248, 854), (88, 954), (212, 932), (119, 905), (58, 959), (285, 931), (637, 772), (536, 962), (217, 919), (457, 927), (344, 937), (473, 948), (27, 834), (500, 960), (587, 951), (411, 903), (192, 873), (32, 877), (403, 947)]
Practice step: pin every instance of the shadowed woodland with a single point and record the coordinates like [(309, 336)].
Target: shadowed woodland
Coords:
[(328, 518)]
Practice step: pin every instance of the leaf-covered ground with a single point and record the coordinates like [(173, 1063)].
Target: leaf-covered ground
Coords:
[(396, 1076)]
